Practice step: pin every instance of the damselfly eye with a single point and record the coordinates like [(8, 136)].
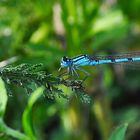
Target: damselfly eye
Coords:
[(65, 58)]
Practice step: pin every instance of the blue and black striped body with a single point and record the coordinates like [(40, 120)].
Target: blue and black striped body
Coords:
[(85, 60), (113, 60)]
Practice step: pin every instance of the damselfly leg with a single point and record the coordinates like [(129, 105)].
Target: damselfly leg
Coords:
[(72, 72), (75, 72), (65, 73), (87, 74)]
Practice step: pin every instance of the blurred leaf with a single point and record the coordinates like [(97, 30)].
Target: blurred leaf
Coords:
[(111, 22), (3, 127), (3, 98), (11, 132), (108, 77), (40, 34), (125, 115), (71, 7), (27, 115), (119, 133), (131, 8)]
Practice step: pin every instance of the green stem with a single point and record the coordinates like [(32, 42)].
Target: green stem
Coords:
[(11, 132)]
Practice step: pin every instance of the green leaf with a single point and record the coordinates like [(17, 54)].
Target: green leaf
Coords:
[(27, 115), (3, 127), (3, 98), (119, 132), (11, 132)]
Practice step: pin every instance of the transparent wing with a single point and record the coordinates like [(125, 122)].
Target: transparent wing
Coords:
[(129, 65), (115, 56), (133, 65)]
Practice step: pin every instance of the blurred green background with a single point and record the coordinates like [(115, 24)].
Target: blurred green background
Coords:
[(43, 31)]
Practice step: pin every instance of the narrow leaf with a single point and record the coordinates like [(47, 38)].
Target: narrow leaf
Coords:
[(27, 115), (11, 132), (3, 98), (119, 133)]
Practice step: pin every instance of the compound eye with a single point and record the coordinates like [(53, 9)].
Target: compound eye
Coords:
[(65, 58)]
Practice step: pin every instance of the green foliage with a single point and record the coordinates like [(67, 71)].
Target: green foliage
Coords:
[(131, 9), (3, 99), (119, 133), (23, 75), (27, 115), (3, 127), (31, 76), (38, 34)]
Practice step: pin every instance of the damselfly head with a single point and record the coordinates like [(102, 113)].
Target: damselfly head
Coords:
[(65, 58), (65, 61)]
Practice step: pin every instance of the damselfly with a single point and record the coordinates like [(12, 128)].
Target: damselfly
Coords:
[(75, 63)]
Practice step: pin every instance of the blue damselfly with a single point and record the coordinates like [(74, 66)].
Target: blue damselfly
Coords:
[(75, 63)]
